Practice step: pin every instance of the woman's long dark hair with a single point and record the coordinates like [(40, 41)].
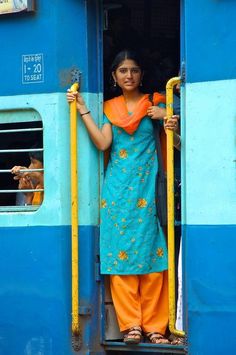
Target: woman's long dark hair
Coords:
[(127, 54), (120, 57)]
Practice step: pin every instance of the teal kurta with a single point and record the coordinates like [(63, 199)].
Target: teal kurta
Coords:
[(131, 239)]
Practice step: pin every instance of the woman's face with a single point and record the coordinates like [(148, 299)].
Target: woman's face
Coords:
[(128, 75)]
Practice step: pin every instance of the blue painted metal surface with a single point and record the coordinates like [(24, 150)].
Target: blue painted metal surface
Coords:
[(59, 39), (210, 40), (35, 293), (210, 283), (208, 174), (209, 161), (61, 32), (35, 285), (54, 112)]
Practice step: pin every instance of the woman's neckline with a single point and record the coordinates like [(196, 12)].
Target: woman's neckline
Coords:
[(134, 105)]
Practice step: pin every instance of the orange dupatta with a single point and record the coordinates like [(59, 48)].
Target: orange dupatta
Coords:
[(117, 113)]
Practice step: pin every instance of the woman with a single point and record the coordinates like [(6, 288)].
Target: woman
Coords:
[(132, 244)]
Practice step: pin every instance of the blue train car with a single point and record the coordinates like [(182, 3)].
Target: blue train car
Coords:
[(45, 47)]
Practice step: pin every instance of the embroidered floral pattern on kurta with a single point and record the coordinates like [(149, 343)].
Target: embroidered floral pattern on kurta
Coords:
[(131, 240)]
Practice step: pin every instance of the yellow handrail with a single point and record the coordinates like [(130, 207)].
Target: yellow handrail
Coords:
[(74, 216), (170, 210)]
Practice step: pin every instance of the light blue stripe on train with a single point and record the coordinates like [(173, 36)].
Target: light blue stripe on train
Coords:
[(209, 221), (209, 153), (54, 111)]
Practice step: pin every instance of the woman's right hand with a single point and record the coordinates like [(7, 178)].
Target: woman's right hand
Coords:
[(80, 104), (71, 96)]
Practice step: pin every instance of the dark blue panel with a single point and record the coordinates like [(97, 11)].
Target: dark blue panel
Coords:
[(210, 288), (210, 40), (35, 292), (94, 71), (60, 31)]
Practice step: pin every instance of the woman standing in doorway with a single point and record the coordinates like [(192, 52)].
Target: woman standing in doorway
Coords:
[(132, 244)]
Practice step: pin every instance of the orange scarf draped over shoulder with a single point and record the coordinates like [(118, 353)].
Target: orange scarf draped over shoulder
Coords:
[(117, 112)]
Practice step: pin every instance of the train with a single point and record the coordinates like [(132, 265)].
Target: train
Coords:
[(53, 299)]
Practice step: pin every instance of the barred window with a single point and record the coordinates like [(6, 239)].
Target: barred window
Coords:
[(21, 162)]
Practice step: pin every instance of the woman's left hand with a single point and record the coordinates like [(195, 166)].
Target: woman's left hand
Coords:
[(156, 113)]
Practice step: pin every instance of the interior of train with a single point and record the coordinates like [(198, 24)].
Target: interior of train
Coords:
[(15, 138), (151, 28)]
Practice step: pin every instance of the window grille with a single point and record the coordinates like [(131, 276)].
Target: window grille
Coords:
[(17, 141)]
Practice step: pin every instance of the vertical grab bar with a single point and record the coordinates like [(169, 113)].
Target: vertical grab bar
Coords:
[(170, 210), (74, 216)]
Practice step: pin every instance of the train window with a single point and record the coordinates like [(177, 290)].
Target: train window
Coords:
[(21, 161), (9, 7)]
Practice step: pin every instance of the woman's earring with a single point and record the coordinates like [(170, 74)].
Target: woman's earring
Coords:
[(114, 84), (141, 84)]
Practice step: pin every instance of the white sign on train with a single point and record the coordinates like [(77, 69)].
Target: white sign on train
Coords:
[(12, 6), (32, 68)]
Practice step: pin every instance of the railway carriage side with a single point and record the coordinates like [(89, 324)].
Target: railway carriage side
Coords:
[(52, 47), (208, 165)]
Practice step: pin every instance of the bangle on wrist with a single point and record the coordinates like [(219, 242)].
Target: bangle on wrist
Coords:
[(179, 140), (85, 113)]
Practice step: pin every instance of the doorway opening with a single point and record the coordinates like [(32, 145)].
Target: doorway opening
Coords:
[(151, 28)]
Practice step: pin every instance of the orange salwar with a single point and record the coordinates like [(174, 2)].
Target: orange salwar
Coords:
[(141, 300)]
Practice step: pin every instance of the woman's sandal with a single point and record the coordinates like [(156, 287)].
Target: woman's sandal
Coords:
[(157, 338), (133, 335), (177, 341)]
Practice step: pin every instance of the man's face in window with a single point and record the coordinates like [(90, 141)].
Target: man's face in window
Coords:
[(37, 176), (35, 164)]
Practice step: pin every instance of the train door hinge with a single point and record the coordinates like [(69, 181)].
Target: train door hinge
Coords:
[(97, 271), (85, 310), (183, 72)]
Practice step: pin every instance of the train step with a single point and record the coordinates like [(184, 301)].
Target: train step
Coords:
[(144, 348)]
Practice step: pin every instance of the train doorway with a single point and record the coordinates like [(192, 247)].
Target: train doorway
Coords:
[(151, 28)]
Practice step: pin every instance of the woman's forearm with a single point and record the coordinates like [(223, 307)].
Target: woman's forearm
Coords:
[(100, 139)]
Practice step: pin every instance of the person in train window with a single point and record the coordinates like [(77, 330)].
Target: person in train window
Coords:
[(132, 244), (31, 180)]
